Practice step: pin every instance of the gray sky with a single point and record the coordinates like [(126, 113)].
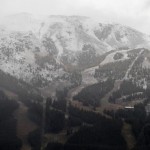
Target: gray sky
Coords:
[(134, 13)]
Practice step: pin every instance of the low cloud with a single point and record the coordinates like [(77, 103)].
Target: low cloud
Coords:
[(134, 13), (147, 5)]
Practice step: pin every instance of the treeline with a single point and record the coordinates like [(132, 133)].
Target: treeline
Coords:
[(8, 137), (128, 91), (25, 92), (88, 117), (141, 71), (54, 120), (134, 53), (115, 70), (54, 123), (60, 102), (106, 134), (54, 117), (96, 133), (118, 56), (92, 94), (55, 112), (140, 124)]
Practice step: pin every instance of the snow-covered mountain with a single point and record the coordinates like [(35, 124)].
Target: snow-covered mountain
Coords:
[(72, 32), (44, 48)]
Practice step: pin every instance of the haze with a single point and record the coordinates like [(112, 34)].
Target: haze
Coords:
[(134, 13)]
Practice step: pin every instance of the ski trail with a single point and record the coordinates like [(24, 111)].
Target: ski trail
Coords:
[(88, 79), (43, 120), (105, 100), (88, 76), (130, 67), (127, 133), (24, 125)]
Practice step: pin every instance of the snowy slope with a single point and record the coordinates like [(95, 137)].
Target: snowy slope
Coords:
[(22, 56), (40, 48), (73, 32)]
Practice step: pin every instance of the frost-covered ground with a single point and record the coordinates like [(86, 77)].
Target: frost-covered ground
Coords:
[(35, 47), (88, 76), (110, 58)]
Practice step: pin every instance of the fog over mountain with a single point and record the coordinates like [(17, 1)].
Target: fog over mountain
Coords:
[(135, 13), (74, 75), (47, 46)]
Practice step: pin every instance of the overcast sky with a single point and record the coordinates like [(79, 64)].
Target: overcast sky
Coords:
[(134, 13)]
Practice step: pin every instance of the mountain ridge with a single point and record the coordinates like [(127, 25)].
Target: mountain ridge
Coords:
[(40, 49)]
